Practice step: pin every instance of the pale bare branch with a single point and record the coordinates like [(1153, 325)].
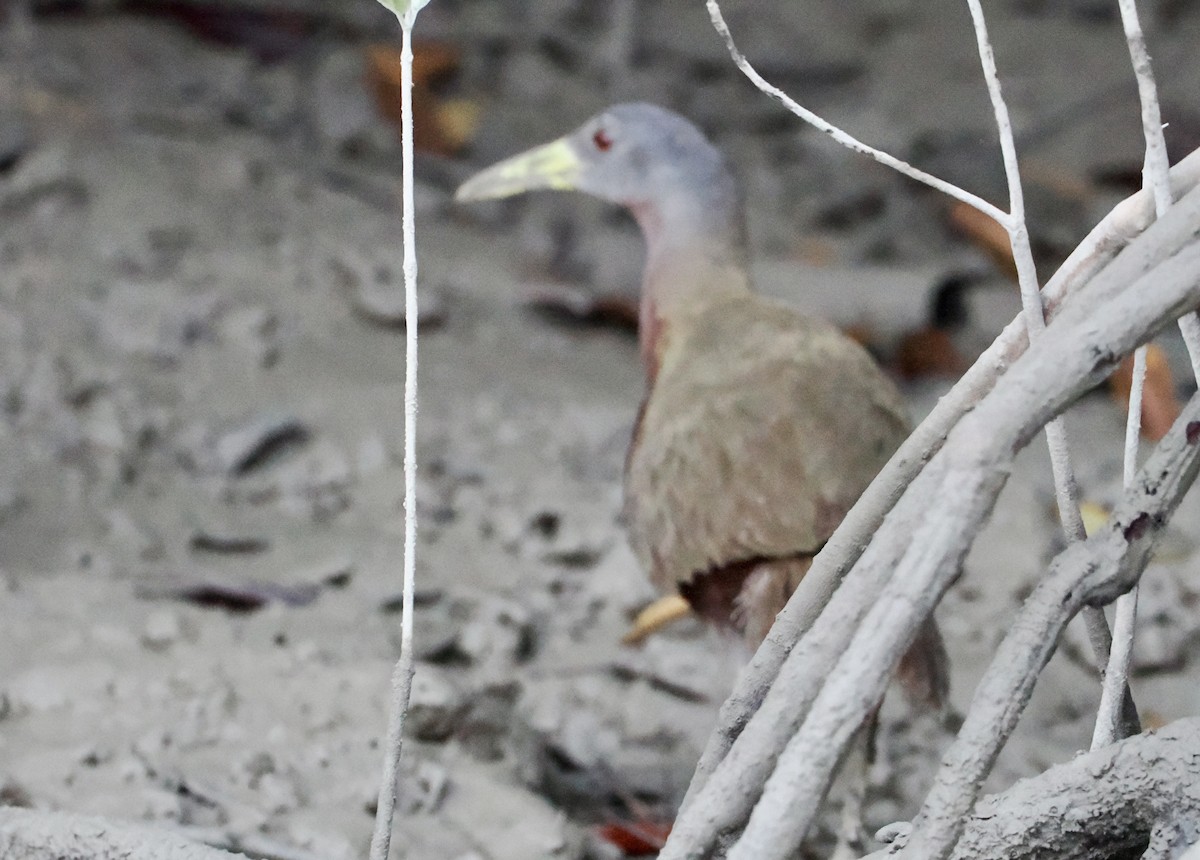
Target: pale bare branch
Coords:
[(1066, 488), (738, 790), (850, 679), (402, 675), (1156, 166), (1156, 178), (1105, 565), (754, 722), (953, 496)]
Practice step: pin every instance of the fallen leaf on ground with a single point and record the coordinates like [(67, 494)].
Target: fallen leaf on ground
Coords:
[(862, 334), (228, 544), (928, 352), (636, 838), (1153, 721), (271, 35), (1094, 516), (985, 233), (577, 305), (442, 127), (1160, 404), (230, 596)]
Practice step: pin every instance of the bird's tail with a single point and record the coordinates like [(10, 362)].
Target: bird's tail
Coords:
[(924, 670)]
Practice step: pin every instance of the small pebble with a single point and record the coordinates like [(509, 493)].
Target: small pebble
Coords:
[(163, 628), (435, 707)]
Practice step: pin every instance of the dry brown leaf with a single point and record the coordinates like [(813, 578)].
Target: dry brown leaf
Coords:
[(440, 127), (1069, 186), (1160, 404), (1094, 516), (579, 305), (985, 233), (1153, 721), (637, 838), (459, 118), (815, 251), (862, 334), (928, 352)]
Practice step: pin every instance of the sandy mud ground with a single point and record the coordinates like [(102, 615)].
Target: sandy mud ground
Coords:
[(200, 382)]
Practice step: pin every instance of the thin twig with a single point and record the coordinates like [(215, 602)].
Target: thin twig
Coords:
[(1066, 488), (1116, 676), (402, 674), (1018, 232), (845, 139), (1155, 170), (1156, 167)]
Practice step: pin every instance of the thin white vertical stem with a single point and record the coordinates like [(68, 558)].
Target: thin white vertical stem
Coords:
[(1155, 171), (1116, 676), (1018, 232), (402, 675), (1108, 716), (1156, 178), (1133, 422), (1189, 327), (1155, 175), (1066, 489)]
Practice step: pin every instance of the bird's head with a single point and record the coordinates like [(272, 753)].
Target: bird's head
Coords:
[(637, 155), (676, 183)]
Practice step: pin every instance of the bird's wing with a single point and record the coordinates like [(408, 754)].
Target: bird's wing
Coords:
[(761, 430)]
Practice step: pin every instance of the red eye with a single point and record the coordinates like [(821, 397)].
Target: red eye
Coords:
[(602, 140)]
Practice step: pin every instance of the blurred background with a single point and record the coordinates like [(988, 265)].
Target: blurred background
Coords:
[(201, 365)]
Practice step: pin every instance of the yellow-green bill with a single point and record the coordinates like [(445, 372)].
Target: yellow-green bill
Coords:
[(554, 165)]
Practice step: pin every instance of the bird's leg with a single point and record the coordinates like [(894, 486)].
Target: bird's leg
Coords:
[(860, 758), (763, 594)]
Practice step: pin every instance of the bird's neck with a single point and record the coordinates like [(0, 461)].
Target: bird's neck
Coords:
[(695, 256)]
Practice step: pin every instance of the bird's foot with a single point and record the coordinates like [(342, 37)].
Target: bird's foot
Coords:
[(660, 613)]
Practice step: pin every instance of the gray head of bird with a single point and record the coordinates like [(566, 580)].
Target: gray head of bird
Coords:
[(679, 189), (652, 161)]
